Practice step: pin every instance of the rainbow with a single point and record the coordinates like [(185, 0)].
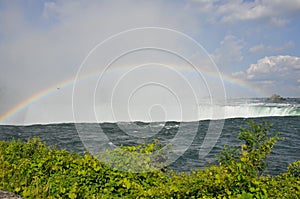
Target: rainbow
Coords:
[(6, 116), (37, 96)]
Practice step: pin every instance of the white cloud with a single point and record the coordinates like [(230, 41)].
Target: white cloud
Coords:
[(280, 22), (204, 6), (276, 12), (239, 75), (257, 49), (275, 67), (261, 48), (229, 53), (275, 74)]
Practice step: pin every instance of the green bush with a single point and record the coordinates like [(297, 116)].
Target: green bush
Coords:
[(255, 147), (294, 169), (137, 159), (34, 170)]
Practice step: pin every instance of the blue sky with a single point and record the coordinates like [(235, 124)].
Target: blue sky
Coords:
[(254, 42)]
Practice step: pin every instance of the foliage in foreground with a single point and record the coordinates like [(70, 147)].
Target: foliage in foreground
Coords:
[(34, 170)]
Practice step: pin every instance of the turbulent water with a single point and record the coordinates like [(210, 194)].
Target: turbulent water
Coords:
[(285, 117)]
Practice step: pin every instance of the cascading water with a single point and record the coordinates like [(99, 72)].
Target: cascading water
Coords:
[(248, 109)]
